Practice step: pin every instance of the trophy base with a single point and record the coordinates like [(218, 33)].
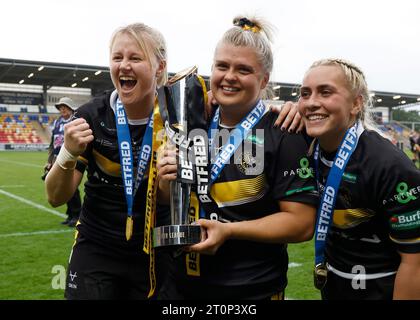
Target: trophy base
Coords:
[(176, 235)]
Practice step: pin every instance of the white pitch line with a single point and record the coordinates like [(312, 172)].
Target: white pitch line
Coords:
[(293, 265), (22, 163), (20, 234), (33, 204)]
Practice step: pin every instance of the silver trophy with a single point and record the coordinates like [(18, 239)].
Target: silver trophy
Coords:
[(182, 109)]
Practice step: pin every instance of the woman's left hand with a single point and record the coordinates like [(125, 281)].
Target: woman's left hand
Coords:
[(211, 103), (215, 233), (167, 163)]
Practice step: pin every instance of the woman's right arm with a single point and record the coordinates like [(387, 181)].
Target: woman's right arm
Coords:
[(62, 180), (289, 118), (61, 185)]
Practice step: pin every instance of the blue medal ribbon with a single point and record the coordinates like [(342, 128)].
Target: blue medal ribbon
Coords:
[(126, 155), (329, 195), (237, 135)]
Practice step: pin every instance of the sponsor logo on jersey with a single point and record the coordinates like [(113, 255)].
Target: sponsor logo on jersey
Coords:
[(404, 196), (405, 221), (349, 177), (255, 139), (303, 172), (298, 190), (251, 160), (102, 124), (71, 283)]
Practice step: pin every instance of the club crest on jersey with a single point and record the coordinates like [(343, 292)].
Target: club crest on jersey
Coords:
[(250, 160), (248, 163)]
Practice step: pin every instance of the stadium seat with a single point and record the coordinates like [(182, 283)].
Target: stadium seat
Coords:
[(18, 128)]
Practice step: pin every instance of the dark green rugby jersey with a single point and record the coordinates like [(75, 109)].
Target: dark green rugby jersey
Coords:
[(104, 213), (377, 210)]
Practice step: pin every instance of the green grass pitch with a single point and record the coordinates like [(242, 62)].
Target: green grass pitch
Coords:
[(35, 247)]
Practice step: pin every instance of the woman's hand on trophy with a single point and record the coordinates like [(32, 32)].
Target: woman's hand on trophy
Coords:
[(211, 103), (166, 162), (166, 166), (289, 118), (77, 135), (215, 232)]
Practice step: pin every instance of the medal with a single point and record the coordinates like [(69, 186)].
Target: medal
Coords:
[(126, 160), (320, 276), (326, 206)]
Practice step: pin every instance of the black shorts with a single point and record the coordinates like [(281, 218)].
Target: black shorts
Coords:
[(338, 288), (97, 273), (178, 286)]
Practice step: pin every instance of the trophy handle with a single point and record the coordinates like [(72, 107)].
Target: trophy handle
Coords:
[(182, 74)]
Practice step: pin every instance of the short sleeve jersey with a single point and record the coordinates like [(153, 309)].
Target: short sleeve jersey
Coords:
[(104, 213), (377, 209)]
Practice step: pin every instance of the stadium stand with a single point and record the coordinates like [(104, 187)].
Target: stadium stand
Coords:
[(397, 133), (27, 102), (23, 128)]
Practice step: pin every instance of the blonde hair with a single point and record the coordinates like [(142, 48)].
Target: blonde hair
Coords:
[(150, 41), (253, 33), (358, 86)]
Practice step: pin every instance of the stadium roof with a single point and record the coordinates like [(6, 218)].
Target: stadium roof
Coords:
[(97, 78), (290, 91), (49, 74)]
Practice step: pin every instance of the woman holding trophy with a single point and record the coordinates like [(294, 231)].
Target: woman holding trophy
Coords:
[(261, 193), (113, 138)]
